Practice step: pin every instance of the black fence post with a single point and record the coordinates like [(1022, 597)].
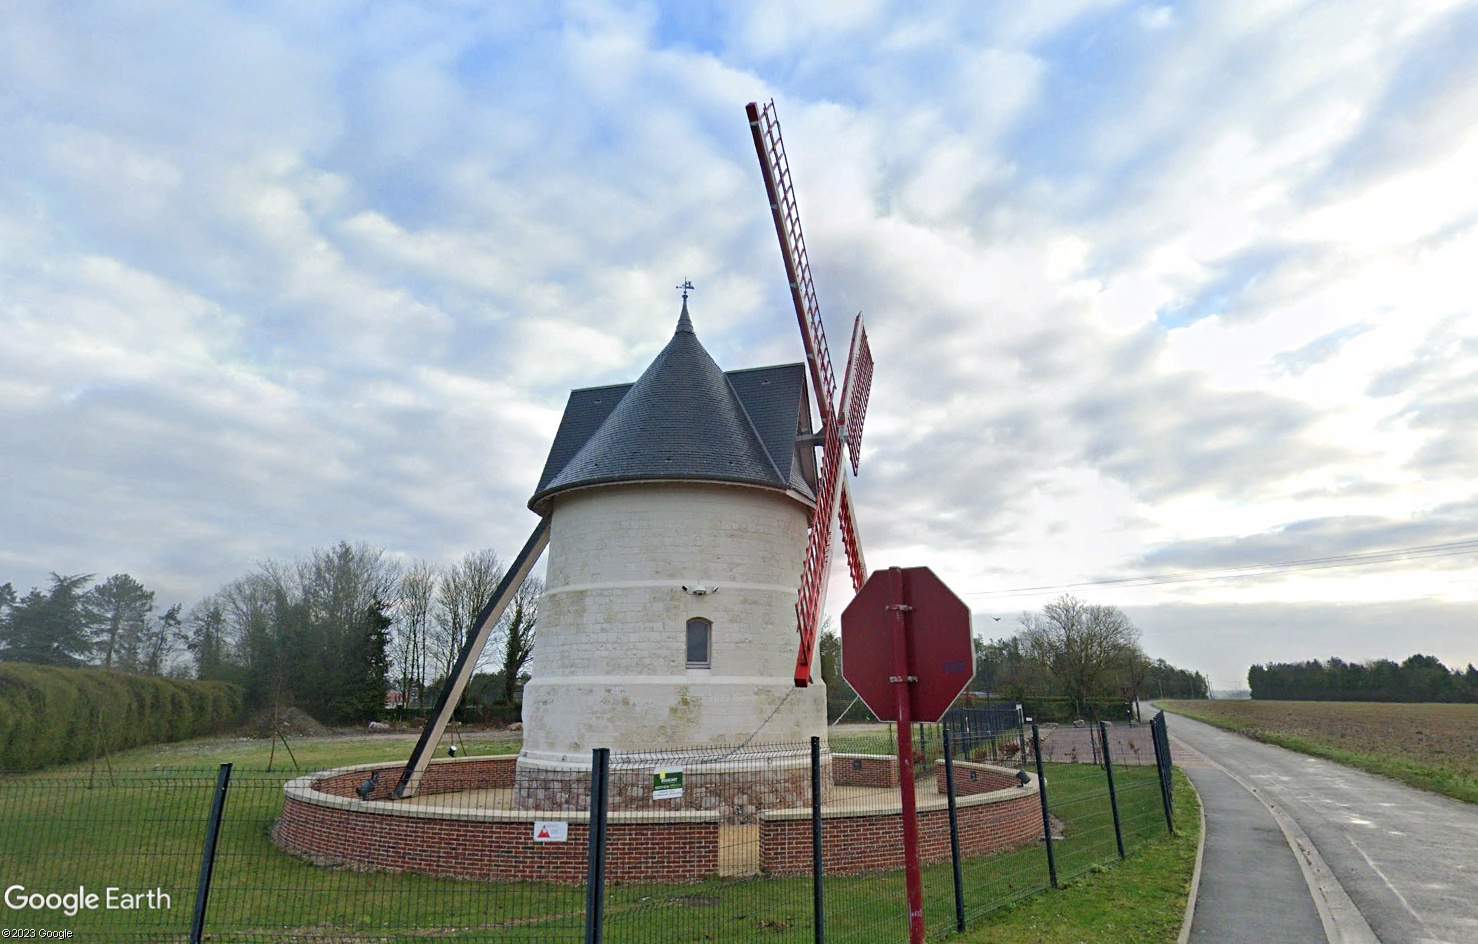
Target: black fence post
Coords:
[(1169, 764), (1108, 767), (954, 830), (208, 855), (1046, 815), (818, 871), (1020, 736), (600, 773), (1162, 763)]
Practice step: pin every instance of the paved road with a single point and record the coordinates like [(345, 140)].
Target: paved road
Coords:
[(1252, 887), (1406, 859)]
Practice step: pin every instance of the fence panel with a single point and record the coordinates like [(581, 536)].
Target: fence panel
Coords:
[(330, 857), (298, 855), (1136, 777), (865, 894), (727, 845), (120, 852), (1009, 860)]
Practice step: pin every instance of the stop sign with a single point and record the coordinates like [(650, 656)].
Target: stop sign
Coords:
[(937, 633)]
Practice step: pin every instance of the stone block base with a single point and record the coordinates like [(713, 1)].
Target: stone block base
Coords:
[(736, 787)]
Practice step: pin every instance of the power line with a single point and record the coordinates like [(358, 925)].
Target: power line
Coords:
[(1275, 568)]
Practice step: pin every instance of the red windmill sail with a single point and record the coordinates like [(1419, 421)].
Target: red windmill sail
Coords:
[(841, 421)]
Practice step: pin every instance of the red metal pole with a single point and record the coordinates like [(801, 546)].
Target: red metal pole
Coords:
[(901, 679)]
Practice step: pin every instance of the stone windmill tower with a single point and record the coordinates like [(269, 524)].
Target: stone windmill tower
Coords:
[(679, 509), (689, 526)]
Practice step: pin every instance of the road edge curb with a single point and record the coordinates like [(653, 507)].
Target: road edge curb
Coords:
[(1190, 902)]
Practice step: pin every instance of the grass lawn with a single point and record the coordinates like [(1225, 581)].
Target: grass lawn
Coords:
[(1140, 900), (1431, 746), (143, 828)]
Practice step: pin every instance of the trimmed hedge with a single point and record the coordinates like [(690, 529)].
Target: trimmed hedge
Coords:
[(52, 715), (1061, 710)]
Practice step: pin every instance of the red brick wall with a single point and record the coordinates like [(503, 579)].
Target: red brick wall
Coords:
[(971, 779), (443, 776), (639, 852), (854, 844), (864, 770)]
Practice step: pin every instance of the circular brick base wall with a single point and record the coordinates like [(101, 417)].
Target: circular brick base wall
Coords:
[(324, 820)]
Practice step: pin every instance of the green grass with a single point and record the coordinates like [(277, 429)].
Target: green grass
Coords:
[(1436, 771), (311, 753), (1141, 900), (144, 828)]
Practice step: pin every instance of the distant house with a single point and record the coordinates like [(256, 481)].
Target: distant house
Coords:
[(395, 699)]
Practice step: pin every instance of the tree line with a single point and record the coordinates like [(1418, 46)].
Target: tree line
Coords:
[(1419, 678), (1070, 649), (331, 633)]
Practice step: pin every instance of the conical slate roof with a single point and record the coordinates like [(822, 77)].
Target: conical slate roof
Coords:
[(684, 419)]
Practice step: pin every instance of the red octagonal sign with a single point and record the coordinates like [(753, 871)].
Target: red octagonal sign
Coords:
[(936, 629)]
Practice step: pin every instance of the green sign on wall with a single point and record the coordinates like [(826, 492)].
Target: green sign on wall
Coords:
[(667, 783)]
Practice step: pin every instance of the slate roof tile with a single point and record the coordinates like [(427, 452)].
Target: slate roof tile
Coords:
[(685, 419)]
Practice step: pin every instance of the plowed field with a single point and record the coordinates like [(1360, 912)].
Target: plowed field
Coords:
[(1430, 746)]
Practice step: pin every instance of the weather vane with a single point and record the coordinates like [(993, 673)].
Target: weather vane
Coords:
[(685, 288)]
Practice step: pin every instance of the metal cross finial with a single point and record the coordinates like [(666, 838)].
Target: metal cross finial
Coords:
[(685, 288)]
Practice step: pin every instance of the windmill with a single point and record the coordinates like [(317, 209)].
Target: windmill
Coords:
[(631, 469), (841, 418)]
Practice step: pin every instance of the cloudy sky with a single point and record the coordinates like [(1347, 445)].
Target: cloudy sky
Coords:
[(1182, 289)]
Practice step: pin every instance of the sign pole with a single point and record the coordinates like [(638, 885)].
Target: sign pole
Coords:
[(909, 655), (901, 680)]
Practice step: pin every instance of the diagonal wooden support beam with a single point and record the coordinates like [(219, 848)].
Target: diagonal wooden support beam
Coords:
[(451, 692)]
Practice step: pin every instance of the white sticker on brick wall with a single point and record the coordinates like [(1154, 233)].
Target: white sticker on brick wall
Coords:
[(551, 831)]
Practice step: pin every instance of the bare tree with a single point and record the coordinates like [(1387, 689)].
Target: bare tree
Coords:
[(464, 590), (337, 584), (1084, 646), (1136, 673), (413, 617), (160, 643)]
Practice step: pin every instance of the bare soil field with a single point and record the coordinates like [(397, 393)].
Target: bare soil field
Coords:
[(1429, 745)]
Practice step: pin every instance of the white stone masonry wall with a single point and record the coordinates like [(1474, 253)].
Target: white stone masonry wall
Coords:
[(610, 667)]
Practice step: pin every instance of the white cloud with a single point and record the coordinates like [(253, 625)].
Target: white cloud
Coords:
[(277, 277)]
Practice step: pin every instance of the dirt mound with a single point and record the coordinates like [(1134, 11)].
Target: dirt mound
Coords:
[(293, 722)]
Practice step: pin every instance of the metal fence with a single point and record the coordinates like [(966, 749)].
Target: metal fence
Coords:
[(713, 845)]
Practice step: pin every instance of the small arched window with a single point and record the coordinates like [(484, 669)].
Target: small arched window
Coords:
[(700, 643)]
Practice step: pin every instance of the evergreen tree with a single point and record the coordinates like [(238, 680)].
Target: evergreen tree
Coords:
[(1420, 678), (121, 607), (52, 628), (518, 634), (357, 684), (829, 651), (207, 642)]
